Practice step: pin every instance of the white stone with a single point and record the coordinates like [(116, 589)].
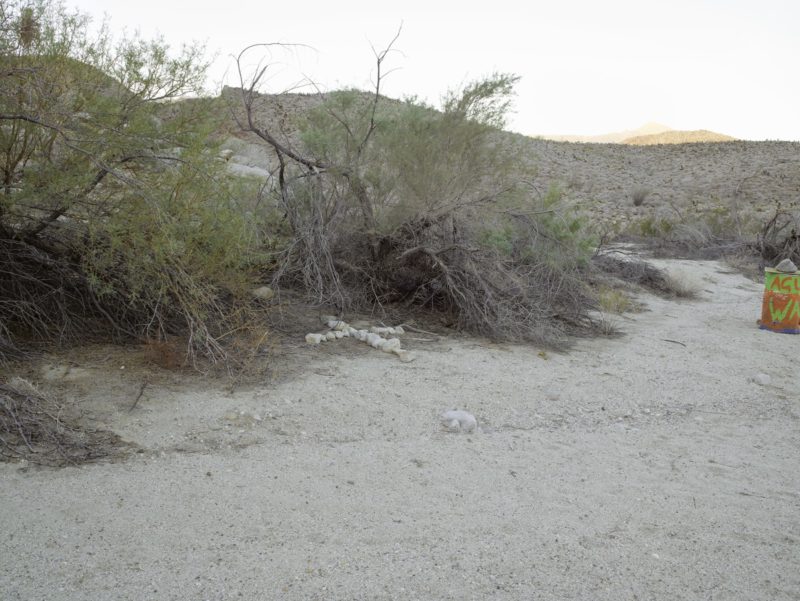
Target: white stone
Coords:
[(247, 171), (330, 336), (314, 338), (264, 293), (404, 355), (374, 340), (337, 324), (399, 330), (466, 421), (390, 345), (761, 379), (381, 330)]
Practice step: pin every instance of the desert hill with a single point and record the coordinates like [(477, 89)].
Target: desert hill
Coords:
[(600, 179), (611, 138), (678, 137), (647, 134)]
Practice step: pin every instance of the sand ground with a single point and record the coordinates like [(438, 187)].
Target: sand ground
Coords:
[(650, 466)]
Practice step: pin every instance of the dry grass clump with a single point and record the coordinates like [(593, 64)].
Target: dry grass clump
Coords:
[(632, 270), (36, 428), (639, 195), (614, 300), (682, 284)]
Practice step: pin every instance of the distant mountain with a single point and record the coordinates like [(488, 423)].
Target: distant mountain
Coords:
[(677, 137), (613, 138)]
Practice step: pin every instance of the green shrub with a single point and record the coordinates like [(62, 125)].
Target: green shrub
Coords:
[(654, 227), (115, 214), (398, 202)]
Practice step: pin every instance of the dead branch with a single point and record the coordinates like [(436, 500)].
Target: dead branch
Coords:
[(40, 430)]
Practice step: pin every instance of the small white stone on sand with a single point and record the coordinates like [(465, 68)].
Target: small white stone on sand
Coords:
[(314, 338), (404, 355), (466, 421), (373, 339), (264, 293), (761, 379), (330, 336), (339, 334), (552, 395), (390, 345), (399, 330)]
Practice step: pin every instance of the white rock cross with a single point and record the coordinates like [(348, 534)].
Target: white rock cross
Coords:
[(374, 337)]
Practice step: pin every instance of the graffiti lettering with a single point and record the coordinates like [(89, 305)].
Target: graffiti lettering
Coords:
[(789, 284), (780, 311), (783, 307)]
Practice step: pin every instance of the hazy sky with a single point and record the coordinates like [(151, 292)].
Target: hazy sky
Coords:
[(587, 66)]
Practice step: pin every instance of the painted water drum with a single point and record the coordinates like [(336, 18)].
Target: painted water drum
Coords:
[(780, 310)]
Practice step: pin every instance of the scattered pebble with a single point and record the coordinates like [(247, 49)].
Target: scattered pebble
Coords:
[(761, 379)]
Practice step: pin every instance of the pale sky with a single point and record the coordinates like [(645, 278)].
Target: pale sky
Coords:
[(587, 66)]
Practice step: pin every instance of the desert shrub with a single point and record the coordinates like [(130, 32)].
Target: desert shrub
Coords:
[(654, 227), (395, 202), (722, 230), (115, 214), (779, 238)]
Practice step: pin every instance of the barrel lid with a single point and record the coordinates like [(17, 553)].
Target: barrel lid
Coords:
[(774, 270)]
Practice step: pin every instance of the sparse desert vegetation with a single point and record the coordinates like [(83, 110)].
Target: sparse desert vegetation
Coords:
[(175, 271), (132, 211)]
